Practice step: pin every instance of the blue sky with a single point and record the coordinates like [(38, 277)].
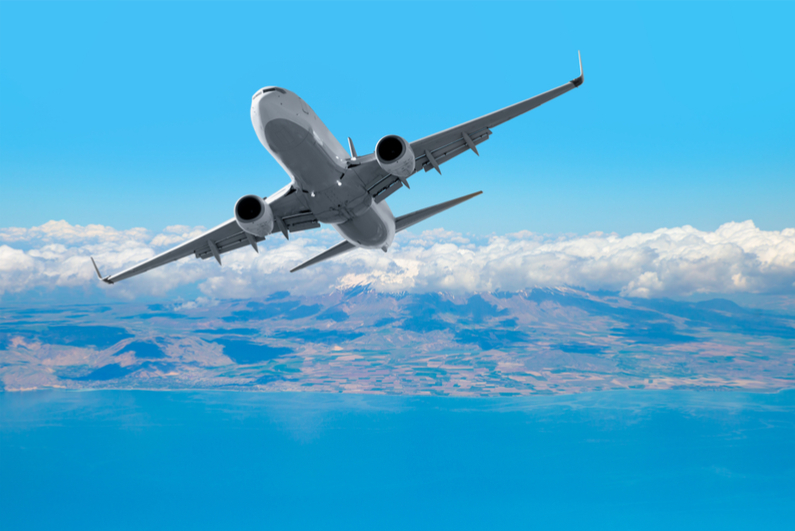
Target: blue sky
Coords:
[(137, 114)]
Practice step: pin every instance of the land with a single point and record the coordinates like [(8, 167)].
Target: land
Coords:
[(537, 341)]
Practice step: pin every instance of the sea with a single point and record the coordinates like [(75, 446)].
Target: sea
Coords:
[(118, 460)]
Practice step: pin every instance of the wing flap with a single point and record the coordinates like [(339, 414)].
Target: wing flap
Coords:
[(386, 186), (301, 221), (453, 149), (224, 246)]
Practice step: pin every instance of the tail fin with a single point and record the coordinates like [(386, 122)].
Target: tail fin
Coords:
[(406, 221)]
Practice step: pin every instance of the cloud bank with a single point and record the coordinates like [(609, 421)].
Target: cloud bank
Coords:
[(736, 258)]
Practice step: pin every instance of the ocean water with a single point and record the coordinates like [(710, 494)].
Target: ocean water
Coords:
[(225, 460)]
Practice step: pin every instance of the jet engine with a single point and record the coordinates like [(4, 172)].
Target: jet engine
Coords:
[(254, 215), (395, 155)]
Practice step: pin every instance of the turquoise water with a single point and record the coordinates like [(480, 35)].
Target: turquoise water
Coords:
[(216, 460)]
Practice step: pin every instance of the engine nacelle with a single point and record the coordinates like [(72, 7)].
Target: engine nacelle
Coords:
[(254, 215), (395, 155)]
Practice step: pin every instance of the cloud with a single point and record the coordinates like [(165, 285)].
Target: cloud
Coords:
[(736, 258), (63, 232), (176, 234)]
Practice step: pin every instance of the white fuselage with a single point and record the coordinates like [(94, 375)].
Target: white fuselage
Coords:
[(318, 168)]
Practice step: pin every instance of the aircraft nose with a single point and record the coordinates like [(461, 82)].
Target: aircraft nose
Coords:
[(267, 90), (274, 121), (266, 102)]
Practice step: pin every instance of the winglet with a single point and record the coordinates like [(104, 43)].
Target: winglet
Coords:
[(578, 81), (99, 275)]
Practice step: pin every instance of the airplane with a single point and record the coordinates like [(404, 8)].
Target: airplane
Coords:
[(331, 186)]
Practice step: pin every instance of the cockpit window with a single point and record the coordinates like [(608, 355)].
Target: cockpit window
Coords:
[(268, 89)]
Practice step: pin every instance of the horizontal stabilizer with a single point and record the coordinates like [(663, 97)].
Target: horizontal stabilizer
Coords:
[(340, 248), (401, 223), (404, 222)]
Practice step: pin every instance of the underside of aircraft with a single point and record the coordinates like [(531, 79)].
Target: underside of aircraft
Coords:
[(329, 185)]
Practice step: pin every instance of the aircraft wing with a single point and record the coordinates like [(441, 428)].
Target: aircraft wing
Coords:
[(291, 216), (432, 151)]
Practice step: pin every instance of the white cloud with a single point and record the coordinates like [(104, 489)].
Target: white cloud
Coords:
[(175, 234), (63, 232), (736, 258)]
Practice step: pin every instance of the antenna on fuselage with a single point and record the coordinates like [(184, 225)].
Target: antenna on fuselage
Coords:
[(351, 148)]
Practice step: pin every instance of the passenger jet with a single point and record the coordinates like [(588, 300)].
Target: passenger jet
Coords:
[(330, 185)]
